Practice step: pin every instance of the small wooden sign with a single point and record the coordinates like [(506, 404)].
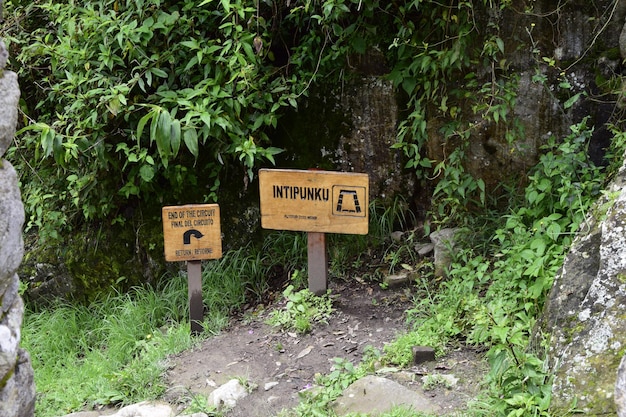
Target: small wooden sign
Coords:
[(192, 232), (314, 201)]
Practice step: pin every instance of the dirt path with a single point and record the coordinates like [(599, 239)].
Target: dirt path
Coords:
[(283, 363)]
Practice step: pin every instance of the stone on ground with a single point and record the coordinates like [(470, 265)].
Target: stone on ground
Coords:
[(228, 394), (375, 395)]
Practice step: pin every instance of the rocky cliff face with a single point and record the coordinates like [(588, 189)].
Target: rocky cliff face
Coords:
[(17, 389), (584, 315)]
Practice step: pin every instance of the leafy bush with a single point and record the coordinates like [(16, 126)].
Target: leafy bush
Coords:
[(493, 299), (137, 100), (126, 101), (302, 310)]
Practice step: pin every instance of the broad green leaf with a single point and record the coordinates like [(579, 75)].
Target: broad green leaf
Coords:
[(258, 122), (206, 118), (538, 245), (408, 85), (154, 124), (193, 61), (193, 44), (164, 126), (175, 137), (141, 125), (146, 172), (554, 231), (158, 72), (191, 141), (569, 103), (47, 140), (500, 44), (57, 148)]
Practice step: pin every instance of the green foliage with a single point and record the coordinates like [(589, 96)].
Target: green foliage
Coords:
[(318, 401), (350, 252), (457, 191), (433, 52), (287, 249), (493, 299), (302, 310), (115, 347), (147, 99)]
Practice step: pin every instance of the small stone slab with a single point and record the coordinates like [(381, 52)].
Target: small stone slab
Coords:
[(374, 395), (424, 249), (397, 279), (423, 354)]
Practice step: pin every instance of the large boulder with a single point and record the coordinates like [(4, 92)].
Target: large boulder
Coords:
[(17, 389), (584, 316)]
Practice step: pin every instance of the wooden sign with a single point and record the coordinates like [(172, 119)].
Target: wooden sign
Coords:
[(192, 232), (314, 201)]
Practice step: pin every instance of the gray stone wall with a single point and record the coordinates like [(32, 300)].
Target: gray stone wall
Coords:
[(17, 389), (584, 315)]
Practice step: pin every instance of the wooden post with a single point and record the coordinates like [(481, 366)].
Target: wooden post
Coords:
[(317, 262), (196, 306)]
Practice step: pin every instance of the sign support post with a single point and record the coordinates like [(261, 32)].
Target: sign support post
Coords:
[(317, 262), (196, 306), (192, 233)]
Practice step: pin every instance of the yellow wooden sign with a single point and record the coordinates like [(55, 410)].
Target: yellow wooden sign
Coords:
[(314, 201), (192, 232)]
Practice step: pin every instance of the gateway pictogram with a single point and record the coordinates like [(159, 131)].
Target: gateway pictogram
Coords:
[(347, 201)]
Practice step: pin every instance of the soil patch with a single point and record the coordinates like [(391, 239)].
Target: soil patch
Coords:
[(281, 364)]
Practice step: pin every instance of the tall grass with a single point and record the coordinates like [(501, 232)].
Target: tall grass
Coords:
[(113, 350), (106, 352)]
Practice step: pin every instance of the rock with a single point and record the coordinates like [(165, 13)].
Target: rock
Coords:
[(397, 280), (142, 409), (228, 394), (371, 105), (11, 221), (423, 354), (17, 389), (10, 327), (349, 128), (444, 241), (4, 55), (373, 395), (269, 385), (9, 97), (424, 249), (146, 409), (17, 397), (584, 315), (620, 389)]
